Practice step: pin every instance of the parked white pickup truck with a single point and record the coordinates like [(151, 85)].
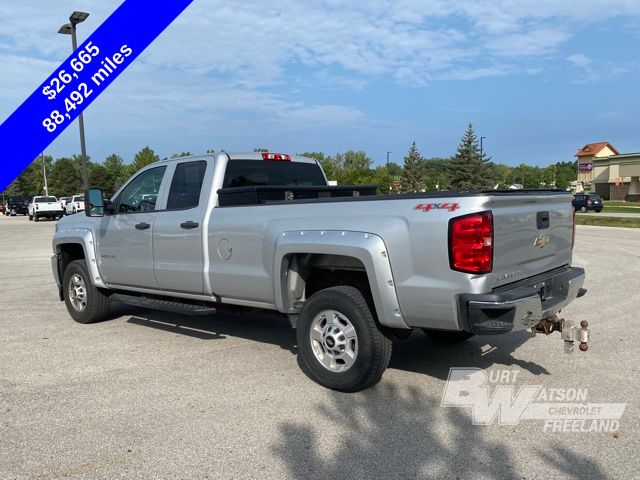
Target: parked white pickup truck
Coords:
[(74, 205), (349, 268), (44, 207)]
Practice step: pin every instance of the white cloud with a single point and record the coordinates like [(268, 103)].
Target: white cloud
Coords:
[(221, 64), (579, 60)]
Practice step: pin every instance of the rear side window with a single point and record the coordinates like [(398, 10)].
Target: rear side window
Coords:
[(247, 173), (186, 185)]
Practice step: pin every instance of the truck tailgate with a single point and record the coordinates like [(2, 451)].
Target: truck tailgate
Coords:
[(532, 234)]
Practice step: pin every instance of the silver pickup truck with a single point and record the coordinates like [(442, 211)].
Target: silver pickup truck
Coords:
[(349, 268)]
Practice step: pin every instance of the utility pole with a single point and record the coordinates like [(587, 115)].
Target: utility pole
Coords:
[(481, 146), (70, 29), (388, 172), (44, 172)]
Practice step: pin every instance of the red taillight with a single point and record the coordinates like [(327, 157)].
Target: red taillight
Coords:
[(78, 205), (276, 156), (471, 243), (37, 208), (588, 202)]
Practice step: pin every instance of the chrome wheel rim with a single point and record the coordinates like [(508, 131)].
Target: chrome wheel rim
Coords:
[(334, 341), (77, 293)]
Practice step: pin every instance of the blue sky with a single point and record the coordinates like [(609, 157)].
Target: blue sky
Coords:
[(538, 78)]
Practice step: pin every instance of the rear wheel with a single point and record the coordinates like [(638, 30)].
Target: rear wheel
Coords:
[(340, 344), (85, 303), (583, 209), (30, 217), (36, 218), (447, 336)]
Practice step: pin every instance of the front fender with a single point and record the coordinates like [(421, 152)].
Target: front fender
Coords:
[(84, 237), (368, 248)]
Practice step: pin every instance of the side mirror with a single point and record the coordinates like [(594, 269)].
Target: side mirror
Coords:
[(93, 203)]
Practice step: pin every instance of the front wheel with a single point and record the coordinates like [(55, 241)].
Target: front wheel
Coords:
[(85, 303), (340, 344)]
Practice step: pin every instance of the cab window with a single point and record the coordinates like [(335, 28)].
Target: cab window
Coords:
[(142, 192), (186, 185)]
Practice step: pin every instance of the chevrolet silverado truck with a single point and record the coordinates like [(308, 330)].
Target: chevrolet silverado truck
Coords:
[(349, 268), (44, 207)]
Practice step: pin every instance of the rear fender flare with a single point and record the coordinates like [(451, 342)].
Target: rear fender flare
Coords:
[(368, 248)]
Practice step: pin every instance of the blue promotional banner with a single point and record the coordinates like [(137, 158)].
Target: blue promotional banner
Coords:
[(80, 79)]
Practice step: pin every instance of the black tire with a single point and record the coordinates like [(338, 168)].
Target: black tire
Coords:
[(583, 209), (97, 303), (598, 210), (447, 336), (30, 217), (373, 347), (36, 218)]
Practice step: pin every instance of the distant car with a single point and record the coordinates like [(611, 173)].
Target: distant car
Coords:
[(44, 207), (75, 205), (63, 204), (17, 205), (3, 208), (584, 202)]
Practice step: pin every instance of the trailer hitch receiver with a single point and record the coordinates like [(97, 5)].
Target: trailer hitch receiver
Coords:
[(568, 332)]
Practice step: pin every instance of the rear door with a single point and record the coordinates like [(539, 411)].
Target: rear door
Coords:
[(125, 239), (533, 233), (177, 231)]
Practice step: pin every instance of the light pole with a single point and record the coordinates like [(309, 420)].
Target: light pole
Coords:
[(70, 29), (44, 172), (388, 172), (481, 146)]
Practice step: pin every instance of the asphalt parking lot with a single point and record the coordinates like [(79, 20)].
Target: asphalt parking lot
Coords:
[(156, 395)]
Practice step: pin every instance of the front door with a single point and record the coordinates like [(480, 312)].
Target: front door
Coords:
[(125, 239)]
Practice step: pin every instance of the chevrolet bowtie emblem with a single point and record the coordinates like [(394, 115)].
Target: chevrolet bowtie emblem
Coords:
[(542, 241)]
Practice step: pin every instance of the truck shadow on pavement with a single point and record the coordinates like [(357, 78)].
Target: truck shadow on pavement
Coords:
[(418, 354), (421, 354), (259, 327), (387, 432)]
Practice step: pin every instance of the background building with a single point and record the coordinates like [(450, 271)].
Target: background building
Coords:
[(607, 172)]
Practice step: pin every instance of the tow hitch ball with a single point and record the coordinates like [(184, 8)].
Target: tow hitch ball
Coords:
[(568, 332)]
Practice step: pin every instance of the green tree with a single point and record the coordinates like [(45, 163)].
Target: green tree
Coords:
[(384, 178), (65, 178), (469, 169), (182, 154), (356, 168), (98, 177), (412, 171), (144, 157), (31, 181), (435, 173), (116, 173)]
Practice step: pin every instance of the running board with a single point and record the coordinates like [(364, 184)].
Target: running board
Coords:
[(166, 305)]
